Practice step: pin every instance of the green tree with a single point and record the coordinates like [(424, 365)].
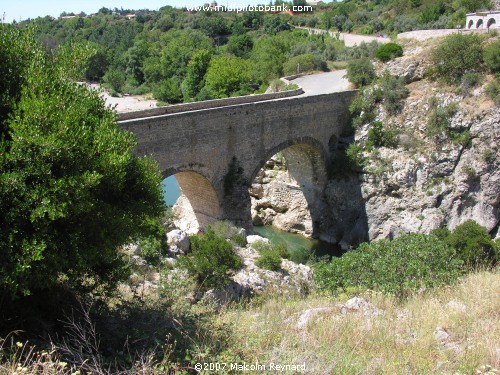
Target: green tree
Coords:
[(360, 72), (227, 76), (389, 51), (240, 45), (456, 55), (196, 70), (71, 189), (492, 56)]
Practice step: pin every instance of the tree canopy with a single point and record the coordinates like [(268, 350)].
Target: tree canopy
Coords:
[(71, 190)]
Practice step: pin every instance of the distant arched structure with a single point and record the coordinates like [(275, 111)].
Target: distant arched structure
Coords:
[(483, 20)]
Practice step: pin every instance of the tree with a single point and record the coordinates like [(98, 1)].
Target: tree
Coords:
[(492, 56), (196, 69), (227, 76), (71, 189), (456, 55), (360, 72), (389, 51), (240, 45)]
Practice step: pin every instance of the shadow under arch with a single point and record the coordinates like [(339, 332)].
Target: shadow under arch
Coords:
[(491, 22), (306, 162), (479, 24), (199, 204)]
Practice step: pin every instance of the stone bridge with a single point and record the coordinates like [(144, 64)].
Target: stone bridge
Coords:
[(215, 153)]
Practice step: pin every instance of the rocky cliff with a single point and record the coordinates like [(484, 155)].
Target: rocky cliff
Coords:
[(425, 180)]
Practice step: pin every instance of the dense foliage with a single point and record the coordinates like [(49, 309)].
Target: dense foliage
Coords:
[(211, 260), (270, 255), (410, 262), (389, 51), (400, 266), (457, 55), (360, 72), (71, 190)]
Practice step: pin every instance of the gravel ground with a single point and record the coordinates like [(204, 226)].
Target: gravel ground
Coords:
[(129, 103)]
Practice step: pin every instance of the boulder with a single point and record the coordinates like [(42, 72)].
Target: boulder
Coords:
[(178, 241)]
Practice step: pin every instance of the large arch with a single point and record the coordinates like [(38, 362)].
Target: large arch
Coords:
[(306, 164), (491, 22), (199, 204)]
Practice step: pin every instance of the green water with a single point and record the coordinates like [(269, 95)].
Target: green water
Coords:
[(300, 247)]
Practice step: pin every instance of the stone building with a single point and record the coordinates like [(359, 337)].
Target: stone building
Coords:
[(483, 20)]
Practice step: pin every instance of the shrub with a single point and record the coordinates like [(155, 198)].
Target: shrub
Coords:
[(399, 267), (469, 81), (389, 51), (228, 231), (360, 72), (270, 255), (492, 56), (363, 106), (211, 260), (473, 244), (168, 91), (355, 159), (439, 118), (152, 249), (306, 62), (493, 91), (456, 55), (393, 92), (380, 137)]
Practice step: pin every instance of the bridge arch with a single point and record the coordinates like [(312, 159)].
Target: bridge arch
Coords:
[(491, 22), (306, 162), (199, 204), (471, 23), (479, 23)]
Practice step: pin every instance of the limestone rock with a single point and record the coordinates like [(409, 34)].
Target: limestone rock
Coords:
[(254, 238), (178, 241)]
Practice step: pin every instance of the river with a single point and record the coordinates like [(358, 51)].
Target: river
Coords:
[(300, 247)]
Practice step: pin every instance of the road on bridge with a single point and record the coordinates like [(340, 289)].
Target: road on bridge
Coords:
[(323, 83)]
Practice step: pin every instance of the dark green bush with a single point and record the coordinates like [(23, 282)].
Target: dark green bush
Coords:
[(389, 51), (492, 56), (473, 244), (168, 91), (360, 72), (378, 136), (211, 260), (363, 106), (399, 267), (456, 55), (152, 249)]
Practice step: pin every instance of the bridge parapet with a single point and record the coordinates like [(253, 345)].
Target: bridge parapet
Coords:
[(227, 146)]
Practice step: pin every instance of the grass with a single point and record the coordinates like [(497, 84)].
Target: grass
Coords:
[(399, 340)]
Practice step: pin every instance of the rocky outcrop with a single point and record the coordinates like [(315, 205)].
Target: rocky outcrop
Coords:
[(426, 182)]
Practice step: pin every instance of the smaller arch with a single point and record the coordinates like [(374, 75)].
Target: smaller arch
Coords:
[(199, 204), (490, 22), (471, 23), (479, 24)]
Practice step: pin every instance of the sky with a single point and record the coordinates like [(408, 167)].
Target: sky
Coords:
[(23, 9)]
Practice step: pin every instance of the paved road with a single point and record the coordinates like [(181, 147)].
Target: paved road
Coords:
[(323, 83)]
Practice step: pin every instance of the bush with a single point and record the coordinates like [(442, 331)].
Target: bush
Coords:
[(228, 231), (211, 260), (270, 255), (399, 267), (492, 56), (355, 159), (360, 72), (473, 244), (493, 91), (304, 63), (71, 189), (393, 92), (456, 55), (389, 51), (440, 118), (380, 137), (168, 91)]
